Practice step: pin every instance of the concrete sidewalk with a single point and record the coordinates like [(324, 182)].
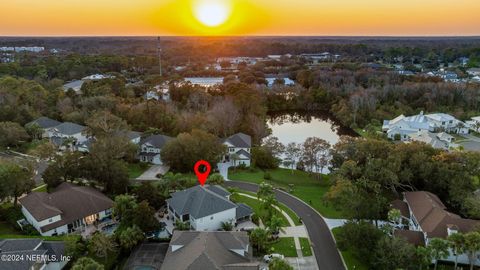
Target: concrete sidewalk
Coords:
[(291, 231)]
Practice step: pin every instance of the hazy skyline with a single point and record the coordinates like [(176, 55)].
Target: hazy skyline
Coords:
[(242, 17)]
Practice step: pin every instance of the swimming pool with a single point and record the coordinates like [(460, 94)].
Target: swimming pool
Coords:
[(110, 229)]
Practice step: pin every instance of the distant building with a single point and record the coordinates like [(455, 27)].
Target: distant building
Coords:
[(96, 77), (209, 250), (239, 144), (287, 81), (68, 209), (404, 126), (205, 81), (473, 71), (437, 140), (22, 49), (150, 148), (74, 85)]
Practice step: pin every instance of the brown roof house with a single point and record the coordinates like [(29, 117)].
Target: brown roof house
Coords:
[(69, 208), (429, 216), (209, 250)]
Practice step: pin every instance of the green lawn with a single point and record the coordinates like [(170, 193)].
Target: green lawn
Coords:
[(350, 260), (41, 188), (305, 244), (136, 169), (306, 186), (282, 206), (257, 207), (5, 228), (284, 246)]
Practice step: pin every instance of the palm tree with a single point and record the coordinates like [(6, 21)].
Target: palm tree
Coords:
[(86, 263), (182, 226), (264, 190), (439, 249), (226, 226), (268, 204), (259, 238), (274, 225), (472, 246), (101, 245), (457, 244)]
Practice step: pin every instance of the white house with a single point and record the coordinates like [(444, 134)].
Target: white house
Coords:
[(404, 126), (239, 144), (150, 148), (427, 216), (206, 208), (68, 209), (45, 124), (441, 140), (48, 254)]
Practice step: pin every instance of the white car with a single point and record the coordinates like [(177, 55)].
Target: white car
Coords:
[(267, 258)]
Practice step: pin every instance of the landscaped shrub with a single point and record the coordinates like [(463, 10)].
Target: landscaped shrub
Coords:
[(267, 176), (255, 219)]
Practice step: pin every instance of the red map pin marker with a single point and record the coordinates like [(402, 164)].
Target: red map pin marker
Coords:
[(202, 176)]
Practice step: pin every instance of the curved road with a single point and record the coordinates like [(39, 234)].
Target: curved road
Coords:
[(323, 244)]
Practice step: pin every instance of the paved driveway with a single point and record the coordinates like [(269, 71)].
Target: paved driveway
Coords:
[(152, 172), (324, 247)]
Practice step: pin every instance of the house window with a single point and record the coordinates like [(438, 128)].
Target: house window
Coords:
[(211, 218)]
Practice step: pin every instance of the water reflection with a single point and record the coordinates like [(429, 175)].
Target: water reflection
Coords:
[(298, 126)]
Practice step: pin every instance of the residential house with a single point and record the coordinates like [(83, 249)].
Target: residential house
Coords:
[(209, 250), (404, 126), (150, 148), (206, 208), (441, 140), (239, 146), (68, 209), (473, 71), (429, 216), (74, 85), (46, 255), (67, 131), (44, 123)]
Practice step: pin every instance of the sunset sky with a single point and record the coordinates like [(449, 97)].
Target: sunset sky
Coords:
[(239, 17)]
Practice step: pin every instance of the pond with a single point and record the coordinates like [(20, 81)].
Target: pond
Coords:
[(298, 126)]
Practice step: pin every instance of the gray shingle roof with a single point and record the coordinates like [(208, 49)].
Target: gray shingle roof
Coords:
[(69, 128), (25, 247), (219, 190), (240, 140), (243, 152), (44, 122), (243, 210), (70, 201), (209, 250), (199, 202), (157, 141)]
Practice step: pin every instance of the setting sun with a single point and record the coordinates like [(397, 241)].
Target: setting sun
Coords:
[(212, 13)]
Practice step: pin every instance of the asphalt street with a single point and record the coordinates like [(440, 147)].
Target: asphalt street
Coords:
[(324, 247)]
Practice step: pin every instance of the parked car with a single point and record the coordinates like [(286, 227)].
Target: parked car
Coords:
[(267, 258)]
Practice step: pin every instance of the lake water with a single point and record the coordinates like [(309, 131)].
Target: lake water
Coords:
[(298, 126)]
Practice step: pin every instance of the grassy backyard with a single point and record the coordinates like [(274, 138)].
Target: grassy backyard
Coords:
[(305, 186), (284, 246)]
